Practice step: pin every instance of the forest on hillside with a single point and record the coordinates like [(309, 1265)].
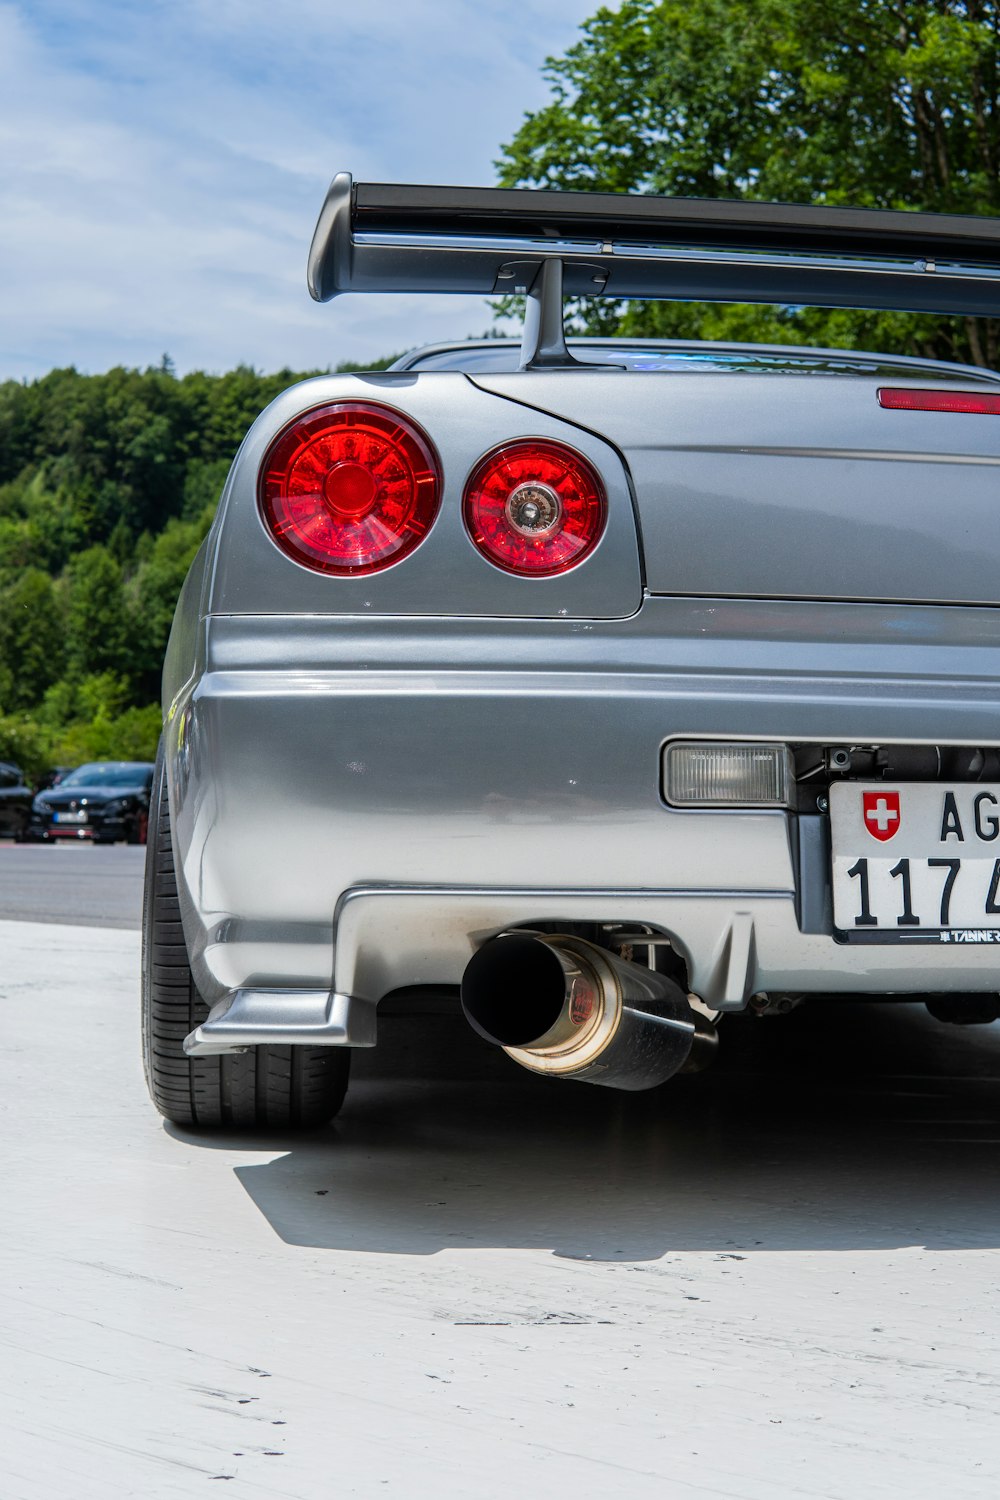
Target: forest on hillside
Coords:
[(108, 484)]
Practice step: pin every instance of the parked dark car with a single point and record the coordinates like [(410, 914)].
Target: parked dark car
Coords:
[(105, 801), (15, 801)]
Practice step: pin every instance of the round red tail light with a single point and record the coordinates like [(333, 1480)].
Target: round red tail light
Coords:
[(535, 508), (350, 488)]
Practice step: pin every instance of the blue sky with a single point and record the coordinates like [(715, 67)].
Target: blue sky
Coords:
[(164, 162)]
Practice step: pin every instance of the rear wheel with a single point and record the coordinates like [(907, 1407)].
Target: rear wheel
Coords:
[(275, 1087)]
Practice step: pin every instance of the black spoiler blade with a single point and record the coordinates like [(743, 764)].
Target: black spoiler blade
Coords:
[(383, 237)]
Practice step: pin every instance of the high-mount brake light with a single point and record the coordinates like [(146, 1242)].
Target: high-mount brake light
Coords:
[(350, 488), (974, 403), (535, 508)]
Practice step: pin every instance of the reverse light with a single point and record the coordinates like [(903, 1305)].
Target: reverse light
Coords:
[(350, 488), (535, 508), (974, 403), (713, 773)]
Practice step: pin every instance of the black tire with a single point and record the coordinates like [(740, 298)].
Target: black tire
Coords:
[(283, 1088)]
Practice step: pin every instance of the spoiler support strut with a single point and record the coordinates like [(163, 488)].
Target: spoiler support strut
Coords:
[(543, 337)]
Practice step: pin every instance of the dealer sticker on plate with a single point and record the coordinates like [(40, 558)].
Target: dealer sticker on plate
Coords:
[(916, 860)]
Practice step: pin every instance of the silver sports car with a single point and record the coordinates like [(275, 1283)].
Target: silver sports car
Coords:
[(619, 684)]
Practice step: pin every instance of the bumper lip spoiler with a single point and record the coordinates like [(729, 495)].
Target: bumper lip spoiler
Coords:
[(382, 237), (252, 1018)]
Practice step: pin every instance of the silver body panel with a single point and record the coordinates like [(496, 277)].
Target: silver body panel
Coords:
[(368, 777)]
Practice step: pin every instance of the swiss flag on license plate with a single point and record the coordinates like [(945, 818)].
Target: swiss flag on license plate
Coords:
[(881, 814)]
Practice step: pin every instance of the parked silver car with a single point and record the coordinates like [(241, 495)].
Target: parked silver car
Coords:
[(622, 683)]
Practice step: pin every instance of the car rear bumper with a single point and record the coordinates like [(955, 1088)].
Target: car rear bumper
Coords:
[(108, 830), (359, 803)]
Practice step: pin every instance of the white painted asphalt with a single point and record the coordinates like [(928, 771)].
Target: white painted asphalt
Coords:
[(777, 1281)]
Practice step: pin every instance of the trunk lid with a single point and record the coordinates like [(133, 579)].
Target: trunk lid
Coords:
[(794, 486)]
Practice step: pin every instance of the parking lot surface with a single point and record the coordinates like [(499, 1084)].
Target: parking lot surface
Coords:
[(72, 883), (775, 1280)]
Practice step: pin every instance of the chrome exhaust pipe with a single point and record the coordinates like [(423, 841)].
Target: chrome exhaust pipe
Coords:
[(562, 1006)]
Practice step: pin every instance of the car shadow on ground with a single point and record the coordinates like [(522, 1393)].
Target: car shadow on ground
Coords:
[(841, 1127)]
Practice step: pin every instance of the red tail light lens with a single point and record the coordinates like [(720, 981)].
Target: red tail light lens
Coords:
[(535, 508), (971, 402), (350, 488)]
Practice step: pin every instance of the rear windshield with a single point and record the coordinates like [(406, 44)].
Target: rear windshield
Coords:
[(503, 358), (110, 773)]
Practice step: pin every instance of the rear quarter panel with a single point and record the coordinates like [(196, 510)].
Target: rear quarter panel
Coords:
[(445, 575)]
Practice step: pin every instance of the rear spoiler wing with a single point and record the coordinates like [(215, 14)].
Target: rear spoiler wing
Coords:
[(383, 237)]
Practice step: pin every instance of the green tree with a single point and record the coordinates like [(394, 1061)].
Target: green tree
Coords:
[(25, 743), (95, 620), (131, 735), (32, 632), (877, 103)]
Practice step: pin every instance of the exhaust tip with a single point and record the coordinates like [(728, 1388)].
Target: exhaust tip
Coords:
[(561, 1006), (513, 990)]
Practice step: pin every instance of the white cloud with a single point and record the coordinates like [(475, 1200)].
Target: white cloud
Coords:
[(165, 163)]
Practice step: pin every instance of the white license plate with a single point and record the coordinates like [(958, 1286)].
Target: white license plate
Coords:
[(916, 857), (69, 817)]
